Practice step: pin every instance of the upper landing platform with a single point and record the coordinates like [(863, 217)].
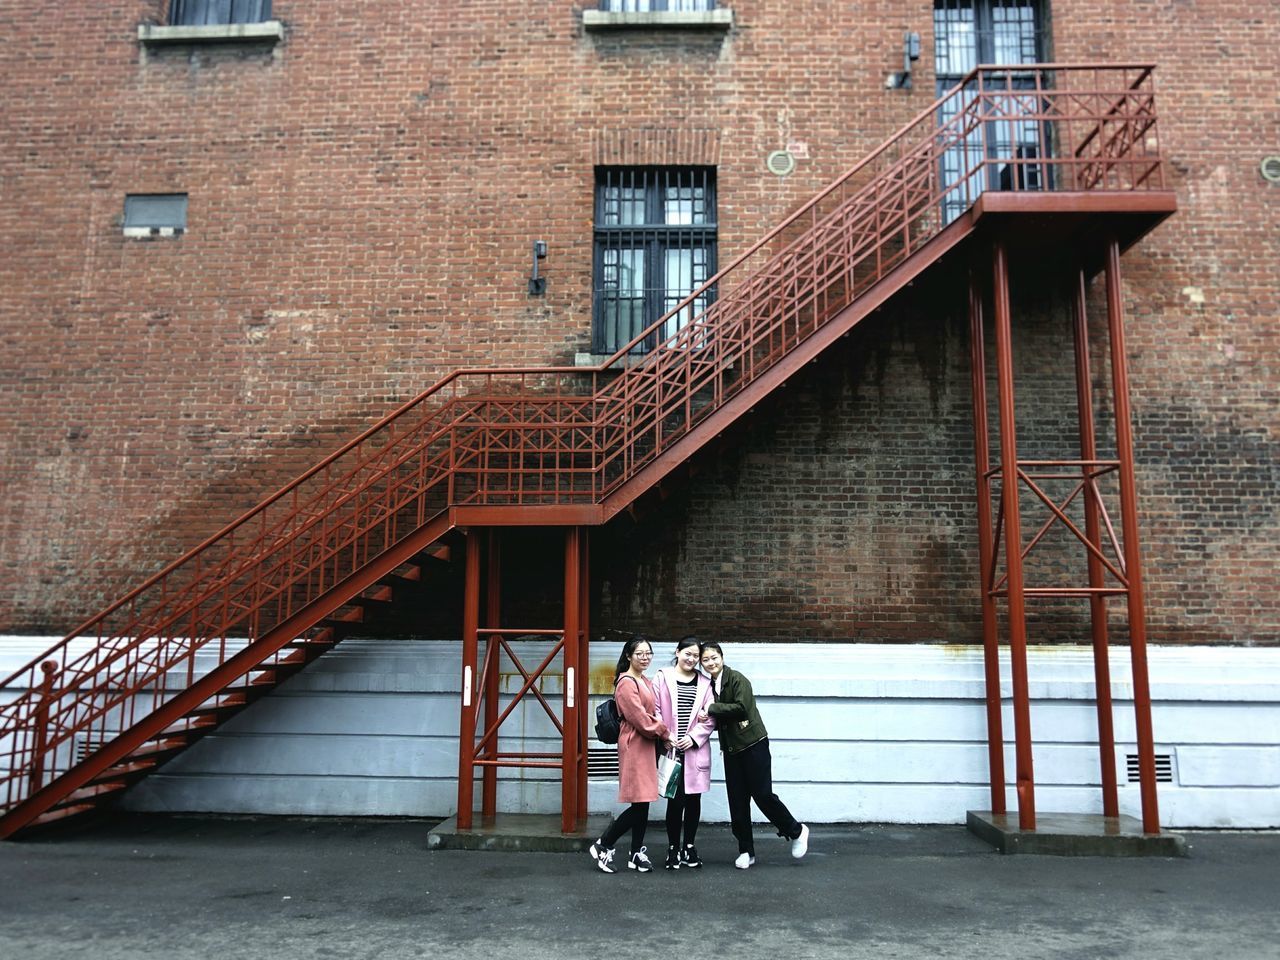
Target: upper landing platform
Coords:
[(1073, 225)]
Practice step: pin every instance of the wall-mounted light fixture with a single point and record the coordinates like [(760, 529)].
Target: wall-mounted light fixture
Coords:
[(537, 284), (910, 54)]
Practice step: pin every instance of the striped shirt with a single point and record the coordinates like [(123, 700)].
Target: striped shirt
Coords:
[(687, 692)]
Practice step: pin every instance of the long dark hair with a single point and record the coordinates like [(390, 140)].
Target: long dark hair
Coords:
[(628, 648), (687, 641)]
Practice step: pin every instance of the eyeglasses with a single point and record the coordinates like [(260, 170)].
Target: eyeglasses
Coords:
[(639, 654)]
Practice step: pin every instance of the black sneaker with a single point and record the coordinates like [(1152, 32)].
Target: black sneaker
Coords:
[(674, 860), (689, 858), (603, 856), (640, 861)]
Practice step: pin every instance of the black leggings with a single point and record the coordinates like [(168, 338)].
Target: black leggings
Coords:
[(683, 809), (635, 818)]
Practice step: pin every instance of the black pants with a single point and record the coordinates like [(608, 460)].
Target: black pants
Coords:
[(684, 809), (748, 775), (636, 819)]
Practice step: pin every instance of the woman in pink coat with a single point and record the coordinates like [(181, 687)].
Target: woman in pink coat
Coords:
[(642, 731), (683, 695)]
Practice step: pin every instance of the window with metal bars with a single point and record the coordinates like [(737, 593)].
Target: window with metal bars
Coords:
[(655, 243), (656, 6), (200, 13), (972, 32)]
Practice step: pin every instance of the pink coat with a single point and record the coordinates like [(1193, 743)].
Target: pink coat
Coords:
[(697, 762), (641, 731)]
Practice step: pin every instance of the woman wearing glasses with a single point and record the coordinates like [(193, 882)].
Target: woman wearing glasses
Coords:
[(642, 730)]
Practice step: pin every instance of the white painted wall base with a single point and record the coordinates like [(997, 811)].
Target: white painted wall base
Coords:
[(859, 732)]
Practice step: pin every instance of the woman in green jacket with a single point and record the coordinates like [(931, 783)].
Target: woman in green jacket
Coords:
[(748, 773)]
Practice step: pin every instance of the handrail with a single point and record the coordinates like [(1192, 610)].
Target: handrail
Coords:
[(560, 434)]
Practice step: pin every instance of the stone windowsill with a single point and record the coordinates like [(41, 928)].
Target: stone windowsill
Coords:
[(268, 31), (721, 18)]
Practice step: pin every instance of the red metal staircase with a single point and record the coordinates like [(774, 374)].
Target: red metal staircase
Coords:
[(260, 599)]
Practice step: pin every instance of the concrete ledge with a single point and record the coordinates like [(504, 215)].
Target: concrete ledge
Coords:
[(719, 19), (268, 31), (515, 832), (1074, 835)]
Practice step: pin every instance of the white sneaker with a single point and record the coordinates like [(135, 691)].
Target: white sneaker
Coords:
[(800, 845), (744, 860)]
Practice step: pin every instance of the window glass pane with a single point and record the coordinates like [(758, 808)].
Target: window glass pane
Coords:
[(685, 271), (955, 39), (685, 205), (199, 13), (651, 6), (623, 206), (159, 210), (1014, 34)]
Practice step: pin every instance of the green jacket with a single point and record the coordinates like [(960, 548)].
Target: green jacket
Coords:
[(737, 719)]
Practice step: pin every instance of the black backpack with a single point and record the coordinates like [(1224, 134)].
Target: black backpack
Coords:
[(608, 723)]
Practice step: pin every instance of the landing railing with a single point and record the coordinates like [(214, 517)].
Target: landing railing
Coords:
[(565, 435)]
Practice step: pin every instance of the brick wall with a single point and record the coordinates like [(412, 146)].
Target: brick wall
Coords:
[(362, 200)]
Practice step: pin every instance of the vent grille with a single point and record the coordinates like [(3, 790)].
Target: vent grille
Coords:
[(89, 744), (602, 763), (1271, 169), (780, 162), (1164, 768)]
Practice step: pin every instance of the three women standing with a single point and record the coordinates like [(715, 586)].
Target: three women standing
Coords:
[(682, 712)]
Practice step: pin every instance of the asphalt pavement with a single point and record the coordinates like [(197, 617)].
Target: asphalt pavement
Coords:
[(190, 887)]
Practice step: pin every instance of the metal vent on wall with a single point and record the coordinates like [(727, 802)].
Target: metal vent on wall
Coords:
[(1270, 167), (89, 744), (602, 763), (780, 162), (1164, 768)]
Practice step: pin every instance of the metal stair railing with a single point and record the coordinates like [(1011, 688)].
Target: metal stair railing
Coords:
[(555, 435)]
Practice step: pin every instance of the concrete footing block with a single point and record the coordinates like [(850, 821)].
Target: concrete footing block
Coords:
[(515, 832), (1074, 835)]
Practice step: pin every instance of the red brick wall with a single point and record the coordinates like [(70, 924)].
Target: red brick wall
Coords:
[(362, 201)]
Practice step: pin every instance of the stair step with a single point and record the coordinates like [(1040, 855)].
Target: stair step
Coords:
[(408, 575), (93, 794), (61, 813), (194, 725), (353, 615), (228, 705), (437, 552), (374, 596), (158, 748), (127, 768)]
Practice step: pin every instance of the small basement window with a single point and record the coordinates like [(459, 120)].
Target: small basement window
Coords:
[(214, 21), (651, 14), (155, 214), (199, 13)]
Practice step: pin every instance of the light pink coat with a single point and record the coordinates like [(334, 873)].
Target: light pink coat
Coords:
[(638, 740), (697, 762)]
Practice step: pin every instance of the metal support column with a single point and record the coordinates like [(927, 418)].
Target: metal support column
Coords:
[(584, 667), (1132, 555), (1093, 533), (470, 656), (1010, 487), (572, 644), (492, 620), (986, 551)]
